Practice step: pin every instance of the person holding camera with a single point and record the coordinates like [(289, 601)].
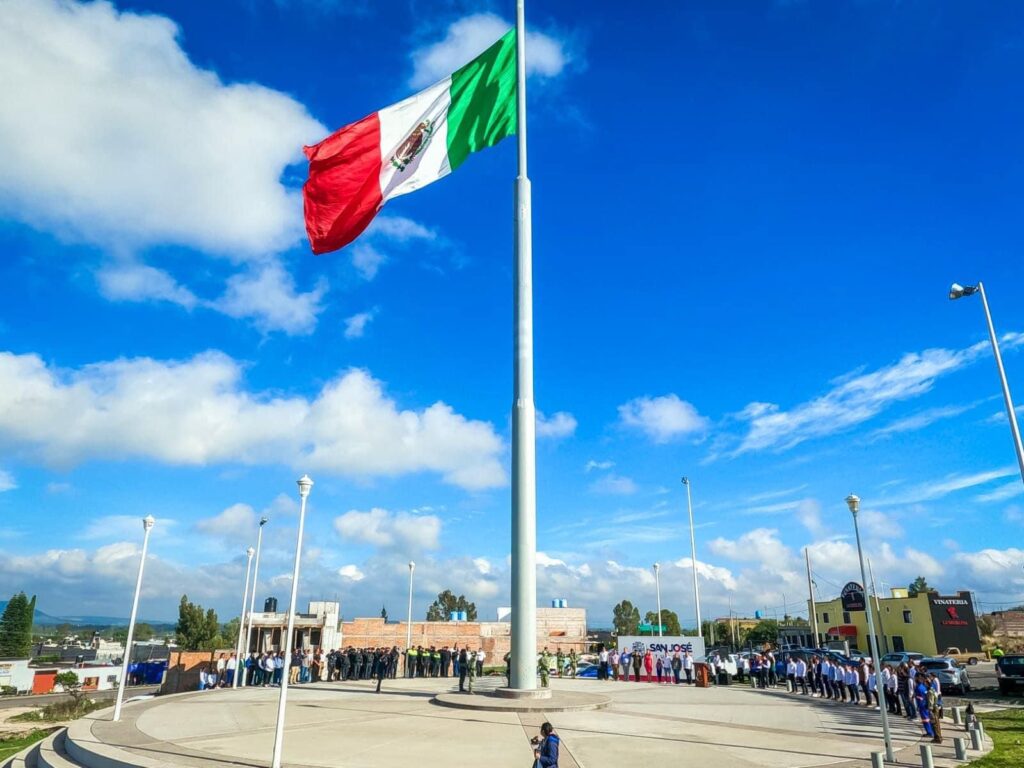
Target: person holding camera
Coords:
[(545, 747)]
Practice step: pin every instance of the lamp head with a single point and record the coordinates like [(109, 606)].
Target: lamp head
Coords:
[(148, 522), (657, 567), (957, 291), (686, 481), (305, 483), (411, 565), (853, 502), (250, 551), (264, 520)]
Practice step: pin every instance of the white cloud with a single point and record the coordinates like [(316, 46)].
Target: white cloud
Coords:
[(468, 37), (197, 412), (235, 523), (854, 399), (266, 294), (936, 489), (922, 419), (761, 545), (599, 465), (351, 572), (355, 326), (808, 512), (1002, 493), (386, 530), (662, 418), (367, 260), (132, 281), (617, 485), (400, 229), (152, 149), (7, 482), (557, 426), (122, 527)]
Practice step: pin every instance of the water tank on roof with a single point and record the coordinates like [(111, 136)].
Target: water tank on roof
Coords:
[(453, 616), (463, 616), (270, 605)]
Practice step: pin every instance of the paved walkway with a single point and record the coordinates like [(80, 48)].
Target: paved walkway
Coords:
[(347, 724)]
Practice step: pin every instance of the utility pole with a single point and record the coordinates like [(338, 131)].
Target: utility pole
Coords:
[(810, 592)]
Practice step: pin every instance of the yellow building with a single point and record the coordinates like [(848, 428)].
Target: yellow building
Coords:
[(927, 623)]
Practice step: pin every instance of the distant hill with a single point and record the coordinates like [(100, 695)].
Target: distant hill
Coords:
[(42, 619)]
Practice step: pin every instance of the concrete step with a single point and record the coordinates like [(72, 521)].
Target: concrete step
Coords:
[(81, 749), (27, 758), (52, 752)]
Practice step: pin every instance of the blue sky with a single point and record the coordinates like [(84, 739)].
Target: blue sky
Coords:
[(746, 219)]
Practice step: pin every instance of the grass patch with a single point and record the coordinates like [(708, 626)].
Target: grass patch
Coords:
[(12, 745), (1006, 729), (60, 712)]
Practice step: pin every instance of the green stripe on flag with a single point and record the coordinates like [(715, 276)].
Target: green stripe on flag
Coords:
[(483, 107)]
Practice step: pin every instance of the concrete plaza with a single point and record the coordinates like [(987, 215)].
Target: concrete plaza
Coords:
[(347, 724)]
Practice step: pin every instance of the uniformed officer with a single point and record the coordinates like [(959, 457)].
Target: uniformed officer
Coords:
[(435, 662), (560, 659), (446, 661), (472, 674), (357, 665), (463, 671), (573, 661), (543, 665), (410, 662)]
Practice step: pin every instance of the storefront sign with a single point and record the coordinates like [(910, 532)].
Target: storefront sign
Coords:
[(853, 597)]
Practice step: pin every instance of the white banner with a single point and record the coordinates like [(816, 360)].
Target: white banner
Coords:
[(662, 646)]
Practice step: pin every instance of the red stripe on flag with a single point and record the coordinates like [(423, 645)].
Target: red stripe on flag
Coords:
[(342, 194)]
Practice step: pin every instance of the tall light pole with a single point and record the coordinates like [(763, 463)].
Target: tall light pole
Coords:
[(252, 597), (878, 607), (657, 586), (523, 669), (853, 502), (304, 485), (958, 291), (147, 525), (239, 666), (693, 558), (408, 628)]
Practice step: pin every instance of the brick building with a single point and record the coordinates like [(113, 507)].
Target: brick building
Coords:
[(564, 628)]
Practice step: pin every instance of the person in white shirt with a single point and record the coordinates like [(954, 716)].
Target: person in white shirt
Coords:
[(480, 656), (231, 665), (791, 675), (602, 666), (801, 676), (688, 667)]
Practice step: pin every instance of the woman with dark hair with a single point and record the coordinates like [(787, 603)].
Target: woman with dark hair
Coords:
[(545, 747)]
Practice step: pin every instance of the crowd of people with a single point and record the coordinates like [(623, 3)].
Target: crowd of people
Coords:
[(908, 689), (649, 667)]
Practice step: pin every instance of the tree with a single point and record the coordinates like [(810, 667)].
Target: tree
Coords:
[(626, 619), (143, 632), (384, 614), (918, 586), (986, 626), (668, 619), (16, 627), (765, 631), (441, 609), (195, 630), (71, 684)]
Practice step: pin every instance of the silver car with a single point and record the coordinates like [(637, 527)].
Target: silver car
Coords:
[(952, 675)]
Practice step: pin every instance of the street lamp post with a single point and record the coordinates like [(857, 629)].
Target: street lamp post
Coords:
[(408, 623), (252, 596), (958, 291), (147, 525), (239, 666), (853, 502), (693, 558), (657, 586), (305, 483)]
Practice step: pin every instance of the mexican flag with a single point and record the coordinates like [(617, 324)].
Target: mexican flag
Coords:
[(408, 145)]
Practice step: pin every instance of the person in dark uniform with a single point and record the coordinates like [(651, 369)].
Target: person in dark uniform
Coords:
[(424, 661), (343, 665), (410, 662), (446, 661), (380, 666), (357, 665), (463, 669)]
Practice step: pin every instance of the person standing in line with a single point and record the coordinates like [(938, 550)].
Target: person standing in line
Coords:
[(677, 666), (410, 662), (480, 656), (688, 666), (659, 667), (543, 667), (381, 666), (638, 663), (559, 661), (801, 677), (446, 661), (455, 660), (648, 664), (934, 700), (463, 669), (602, 663), (230, 670), (573, 662), (791, 674)]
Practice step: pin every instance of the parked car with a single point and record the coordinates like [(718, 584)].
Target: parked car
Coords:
[(901, 657), (952, 675), (586, 669), (964, 657), (1010, 672)]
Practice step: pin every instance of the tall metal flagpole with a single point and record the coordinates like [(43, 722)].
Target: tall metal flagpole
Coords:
[(810, 592), (252, 597), (239, 666), (693, 558), (147, 525), (524, 460)]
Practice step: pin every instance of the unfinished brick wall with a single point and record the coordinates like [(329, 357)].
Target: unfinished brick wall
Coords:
[(183, 669)]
